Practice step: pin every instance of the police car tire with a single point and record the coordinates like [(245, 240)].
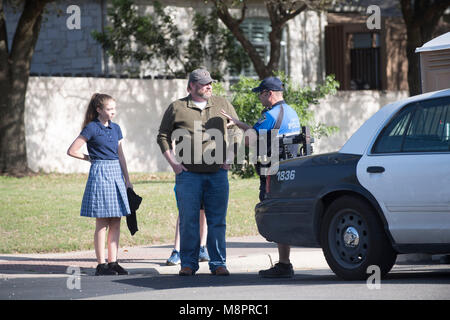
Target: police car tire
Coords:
[(350, 216)]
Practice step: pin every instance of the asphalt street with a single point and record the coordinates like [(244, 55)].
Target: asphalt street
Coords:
[(405, 282), (66, 276)]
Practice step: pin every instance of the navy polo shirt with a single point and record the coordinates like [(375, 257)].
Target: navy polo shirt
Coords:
[(102, 142)]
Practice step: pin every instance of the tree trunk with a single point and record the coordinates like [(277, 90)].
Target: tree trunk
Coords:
[(275, 37), (14, 74), (421, 19), (234, 26), (414, 40), (278, 16)]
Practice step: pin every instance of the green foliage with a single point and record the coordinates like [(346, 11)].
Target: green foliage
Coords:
[(156, 37), (249, 108), (212, 45), (246, 103), (301, 100)]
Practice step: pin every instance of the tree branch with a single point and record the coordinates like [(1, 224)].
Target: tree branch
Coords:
[(25, 30), (408, 14), (243, 10), (293, 14), (279, 15), (234, 26), (433, 12), (422, 12)]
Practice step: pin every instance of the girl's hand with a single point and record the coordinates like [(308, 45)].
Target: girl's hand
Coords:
[(74, 149), (129, 185)]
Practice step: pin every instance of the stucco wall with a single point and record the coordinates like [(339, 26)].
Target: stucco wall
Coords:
[(306, 48), (55, 108)]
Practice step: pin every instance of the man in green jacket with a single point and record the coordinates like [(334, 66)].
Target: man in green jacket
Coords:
[(201, 169)]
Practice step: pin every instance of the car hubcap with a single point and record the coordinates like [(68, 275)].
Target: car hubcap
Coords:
[(349, 238)]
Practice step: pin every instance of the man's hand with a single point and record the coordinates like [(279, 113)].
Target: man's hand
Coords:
[(178, 168), (232, 121)]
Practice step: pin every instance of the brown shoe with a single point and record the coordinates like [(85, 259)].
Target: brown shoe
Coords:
[(186, 271), (221, 271)]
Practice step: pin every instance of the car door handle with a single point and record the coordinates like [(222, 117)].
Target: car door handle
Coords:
[(375, 169)]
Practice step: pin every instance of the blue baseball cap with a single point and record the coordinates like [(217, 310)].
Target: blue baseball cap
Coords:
[(270, 83)]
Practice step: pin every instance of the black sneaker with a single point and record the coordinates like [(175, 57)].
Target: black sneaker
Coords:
[(104, 270), (279, 270), (117, 268)]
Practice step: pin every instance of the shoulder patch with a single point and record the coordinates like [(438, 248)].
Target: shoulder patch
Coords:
[(262, 119)]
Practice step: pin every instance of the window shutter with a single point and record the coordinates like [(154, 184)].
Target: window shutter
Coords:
[(335, 54)]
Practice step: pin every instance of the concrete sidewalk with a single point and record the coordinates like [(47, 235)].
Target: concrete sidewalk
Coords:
[(244, 254)]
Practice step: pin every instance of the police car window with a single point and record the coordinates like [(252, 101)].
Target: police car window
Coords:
[(391, 138), (421, 127), (430, 127)]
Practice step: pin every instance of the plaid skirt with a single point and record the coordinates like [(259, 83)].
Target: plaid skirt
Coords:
[(105, 195)]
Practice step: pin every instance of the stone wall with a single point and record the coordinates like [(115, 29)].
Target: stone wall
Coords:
[(60, 50)]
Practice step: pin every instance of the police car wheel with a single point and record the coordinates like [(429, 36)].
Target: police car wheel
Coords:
[(353, 238)]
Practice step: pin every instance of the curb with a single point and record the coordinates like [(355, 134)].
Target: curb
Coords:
[(244, 255)]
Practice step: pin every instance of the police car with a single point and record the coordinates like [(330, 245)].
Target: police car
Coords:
[(385, 192)]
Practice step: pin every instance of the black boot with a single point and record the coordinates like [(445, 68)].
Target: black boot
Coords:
[(279, 270), (104, 270), (117, 268)]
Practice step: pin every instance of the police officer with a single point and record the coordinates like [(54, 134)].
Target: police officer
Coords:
[(277, 114)]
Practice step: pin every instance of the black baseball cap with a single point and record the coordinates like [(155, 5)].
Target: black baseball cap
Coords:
[(270, 83)]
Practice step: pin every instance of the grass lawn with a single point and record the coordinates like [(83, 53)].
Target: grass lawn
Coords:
[(42, 213)]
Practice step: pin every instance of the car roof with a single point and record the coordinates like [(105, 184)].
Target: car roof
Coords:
[(360, 140), (439, 43)]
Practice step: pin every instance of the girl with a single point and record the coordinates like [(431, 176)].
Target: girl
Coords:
[(105, 196)]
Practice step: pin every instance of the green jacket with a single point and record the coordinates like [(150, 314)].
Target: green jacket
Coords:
[(198, 152)]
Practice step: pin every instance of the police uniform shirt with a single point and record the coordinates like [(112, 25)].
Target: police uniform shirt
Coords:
[(289, 125)]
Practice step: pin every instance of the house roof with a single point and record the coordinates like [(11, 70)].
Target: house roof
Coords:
[(388, 8), (439, 43)]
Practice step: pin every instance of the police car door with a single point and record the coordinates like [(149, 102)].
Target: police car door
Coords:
[(407, 169)]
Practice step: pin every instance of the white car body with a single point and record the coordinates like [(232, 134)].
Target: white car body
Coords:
[(414, 189)]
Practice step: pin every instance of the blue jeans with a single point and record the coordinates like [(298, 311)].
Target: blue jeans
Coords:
[(212, 189)]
